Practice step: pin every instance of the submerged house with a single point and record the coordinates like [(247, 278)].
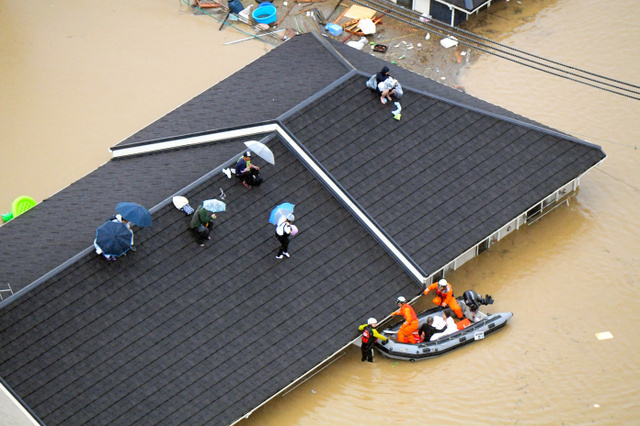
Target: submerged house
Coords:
[(450, 12), (176, 333)]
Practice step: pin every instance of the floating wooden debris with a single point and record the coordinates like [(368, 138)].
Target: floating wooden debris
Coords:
[(351, 27)]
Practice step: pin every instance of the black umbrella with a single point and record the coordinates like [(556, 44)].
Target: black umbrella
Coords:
[(114, 238)]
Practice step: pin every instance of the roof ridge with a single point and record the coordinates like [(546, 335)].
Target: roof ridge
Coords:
[(190, 139), (324, 43), (378, 233), (546, 130)]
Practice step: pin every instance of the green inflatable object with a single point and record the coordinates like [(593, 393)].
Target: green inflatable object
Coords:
[(19, 206)]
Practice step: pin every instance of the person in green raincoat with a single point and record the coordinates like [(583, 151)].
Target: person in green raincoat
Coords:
[(201, 224)]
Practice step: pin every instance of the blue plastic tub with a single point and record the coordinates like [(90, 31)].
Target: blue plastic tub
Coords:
[(265, 14)]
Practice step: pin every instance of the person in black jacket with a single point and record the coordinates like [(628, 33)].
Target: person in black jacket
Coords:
[(382, 76), (369, 337), (427, 330)]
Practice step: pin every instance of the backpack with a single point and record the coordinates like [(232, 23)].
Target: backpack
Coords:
[(368, 339), (256, 178)]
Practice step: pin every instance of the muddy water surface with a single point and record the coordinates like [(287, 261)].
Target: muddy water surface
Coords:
[(77, 77), (571, 275)]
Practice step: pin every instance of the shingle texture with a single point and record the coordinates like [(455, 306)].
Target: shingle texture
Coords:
[(261, 91), (443, 177), (63, 225), (175, 333)]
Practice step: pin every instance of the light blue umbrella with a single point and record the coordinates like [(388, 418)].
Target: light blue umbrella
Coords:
[(282, 210), (214, 205)]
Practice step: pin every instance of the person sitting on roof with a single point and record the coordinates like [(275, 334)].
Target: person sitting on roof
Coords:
[(369, 337), (201, 223), (383, 81), (382, 76), (405, 333), (247, 172), (444, 296), (387, 88), (451, 327)]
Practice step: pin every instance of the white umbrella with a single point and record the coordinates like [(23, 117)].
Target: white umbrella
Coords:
[(261, 150)]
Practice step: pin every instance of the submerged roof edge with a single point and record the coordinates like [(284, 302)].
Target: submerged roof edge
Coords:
[(441, 268)]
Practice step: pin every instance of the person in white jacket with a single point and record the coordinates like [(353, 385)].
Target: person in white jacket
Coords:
[(447, 316)]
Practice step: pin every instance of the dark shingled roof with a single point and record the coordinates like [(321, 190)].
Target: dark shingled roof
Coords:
[(155, 335), (175, 333), (444, 177)]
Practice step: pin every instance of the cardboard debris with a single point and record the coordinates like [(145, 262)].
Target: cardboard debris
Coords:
[(359, 12)]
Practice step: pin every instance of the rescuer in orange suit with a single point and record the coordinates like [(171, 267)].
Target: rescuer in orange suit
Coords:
[(405, 334), (444, 296)]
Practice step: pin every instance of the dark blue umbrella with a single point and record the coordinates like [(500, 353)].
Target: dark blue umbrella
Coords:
[(134, 213), (114, 238)]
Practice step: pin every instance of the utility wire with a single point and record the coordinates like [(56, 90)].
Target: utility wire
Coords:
[(618, 179), (472, 40), (460, 30)]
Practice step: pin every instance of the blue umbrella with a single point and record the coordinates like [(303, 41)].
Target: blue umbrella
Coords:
[(134, 213), (282, 210), (114, 238)]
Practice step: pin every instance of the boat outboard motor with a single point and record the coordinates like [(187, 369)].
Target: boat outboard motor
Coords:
[(473, 300)]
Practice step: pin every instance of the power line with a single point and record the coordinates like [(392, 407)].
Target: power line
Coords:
[(618, 179), (481, 43)]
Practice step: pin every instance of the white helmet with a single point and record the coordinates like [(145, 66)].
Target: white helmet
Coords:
[(401, 299), (372, 321), (442, 283)]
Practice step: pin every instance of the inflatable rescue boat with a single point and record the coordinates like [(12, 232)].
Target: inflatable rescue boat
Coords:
[(480, 325)]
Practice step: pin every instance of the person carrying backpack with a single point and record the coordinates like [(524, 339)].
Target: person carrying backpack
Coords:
[(369, 337), (248, 173)]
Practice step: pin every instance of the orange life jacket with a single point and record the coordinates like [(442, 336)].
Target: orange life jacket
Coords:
[(408, 313), (444, 295)]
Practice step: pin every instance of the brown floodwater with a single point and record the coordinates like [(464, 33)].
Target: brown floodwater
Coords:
[(78, 79), (569, 276)]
